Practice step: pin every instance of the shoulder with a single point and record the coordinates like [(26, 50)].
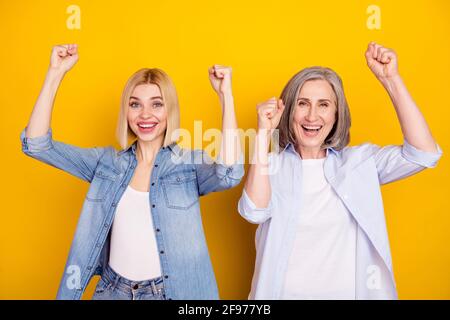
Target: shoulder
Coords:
[(358, 153)]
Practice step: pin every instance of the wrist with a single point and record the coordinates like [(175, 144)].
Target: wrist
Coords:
[(226, 97), (391, 83), (53, 73), (392, 80)]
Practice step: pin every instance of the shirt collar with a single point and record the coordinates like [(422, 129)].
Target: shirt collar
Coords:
[(290, 148), (173, 147)]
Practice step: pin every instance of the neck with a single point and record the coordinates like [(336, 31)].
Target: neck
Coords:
[(146, 150), (311, 153)]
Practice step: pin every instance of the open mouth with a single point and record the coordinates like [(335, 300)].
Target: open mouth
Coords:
[(146, 126), (311, 129)]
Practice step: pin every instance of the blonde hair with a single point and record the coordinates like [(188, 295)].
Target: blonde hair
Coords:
[(339, 135), (125, 135)]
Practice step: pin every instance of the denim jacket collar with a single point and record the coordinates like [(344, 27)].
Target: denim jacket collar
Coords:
[(174, 147)]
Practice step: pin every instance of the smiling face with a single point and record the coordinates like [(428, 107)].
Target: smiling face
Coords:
[(314, 117), (147, 114)]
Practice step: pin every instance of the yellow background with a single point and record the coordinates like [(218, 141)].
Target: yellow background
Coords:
[(265, 42)]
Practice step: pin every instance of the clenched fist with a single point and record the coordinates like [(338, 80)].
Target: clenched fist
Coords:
[(64, 57), (381, 61), (220, 78), (269, 113)]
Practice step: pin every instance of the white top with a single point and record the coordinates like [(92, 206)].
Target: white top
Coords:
[(133, 250), (322, 262)]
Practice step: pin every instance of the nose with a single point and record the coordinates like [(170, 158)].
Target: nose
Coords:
[(146, 112), (311, 116)]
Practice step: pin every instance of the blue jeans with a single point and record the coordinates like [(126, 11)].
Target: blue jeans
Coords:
[(112, 286)]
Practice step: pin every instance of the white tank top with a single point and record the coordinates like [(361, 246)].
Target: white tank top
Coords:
[(133, 251), (322, 262)]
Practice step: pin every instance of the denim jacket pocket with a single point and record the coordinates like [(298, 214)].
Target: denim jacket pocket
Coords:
[(180, 189), (100, 186)]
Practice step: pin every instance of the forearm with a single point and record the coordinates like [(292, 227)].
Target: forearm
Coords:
[(414, 127), (257, 185), (40, 118), (230, 150)]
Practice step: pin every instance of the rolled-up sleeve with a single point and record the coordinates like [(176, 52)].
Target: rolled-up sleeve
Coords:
[(37, 144), (215, 175), (422, 158), (248, 210), (396, 162)]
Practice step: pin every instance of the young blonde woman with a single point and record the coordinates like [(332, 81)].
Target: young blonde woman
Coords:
[(322, 232), (140, 227)]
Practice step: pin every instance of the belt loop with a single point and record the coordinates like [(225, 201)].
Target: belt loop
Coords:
[(155, 291), (115, 281)]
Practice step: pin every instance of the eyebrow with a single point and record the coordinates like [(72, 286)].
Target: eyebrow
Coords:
[(152, 98), (320, 100)]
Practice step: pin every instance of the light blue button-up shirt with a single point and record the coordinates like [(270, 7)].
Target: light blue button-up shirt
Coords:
[(178, 179), (355, 174)]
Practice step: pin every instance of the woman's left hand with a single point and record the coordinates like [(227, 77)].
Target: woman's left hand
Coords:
[(220, 78), (382, 61)]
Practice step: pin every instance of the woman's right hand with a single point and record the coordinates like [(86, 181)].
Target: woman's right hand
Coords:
[(64, 57), (269, 113)]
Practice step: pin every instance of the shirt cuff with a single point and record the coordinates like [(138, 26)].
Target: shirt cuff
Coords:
[(36, 144), (420, 157), (234, 171)]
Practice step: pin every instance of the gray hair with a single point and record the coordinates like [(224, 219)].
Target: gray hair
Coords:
[(339, 135)]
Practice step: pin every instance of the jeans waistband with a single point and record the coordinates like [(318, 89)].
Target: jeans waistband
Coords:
[(117, 281)]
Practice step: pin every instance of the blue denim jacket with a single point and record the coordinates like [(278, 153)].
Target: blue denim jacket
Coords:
[(178, 178)]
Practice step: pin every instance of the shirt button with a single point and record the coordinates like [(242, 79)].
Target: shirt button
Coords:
[(153, 205), (153, 183), (132, 167), (157, 230), (123, 185), (167, 277), (135, 286), (162, 252)]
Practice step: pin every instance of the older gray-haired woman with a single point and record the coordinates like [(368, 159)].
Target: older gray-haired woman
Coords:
[(322, 231)]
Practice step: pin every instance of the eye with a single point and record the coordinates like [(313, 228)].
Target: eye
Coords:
[(158, 104), (324, 104), (302, 103), (134, 104)]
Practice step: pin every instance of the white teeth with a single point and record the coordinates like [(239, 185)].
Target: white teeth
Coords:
[(312, 128), (147, 125)]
